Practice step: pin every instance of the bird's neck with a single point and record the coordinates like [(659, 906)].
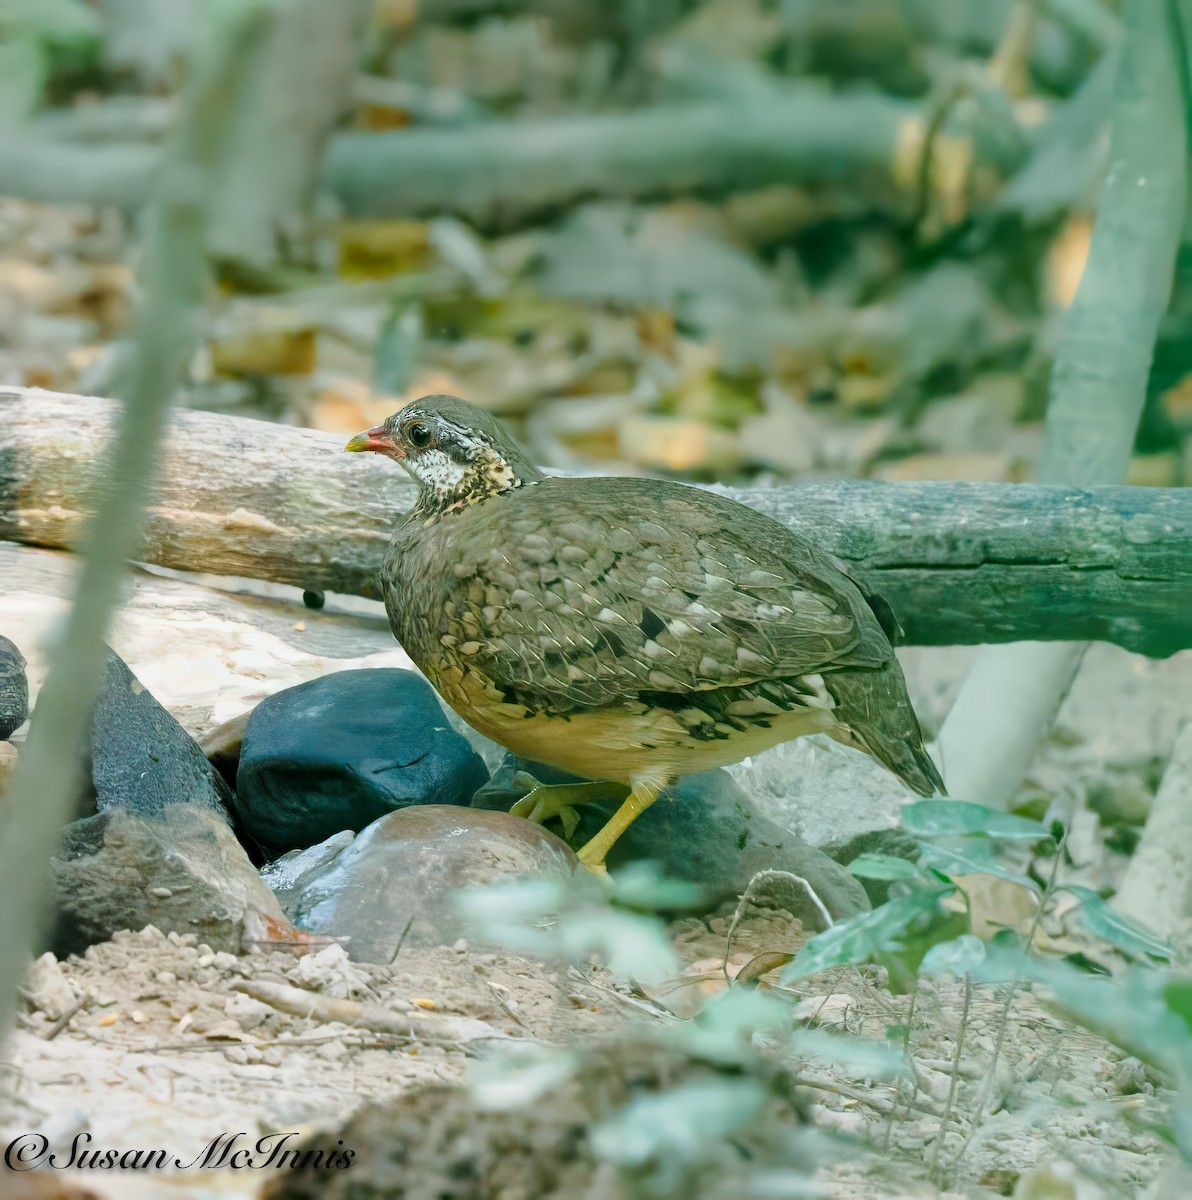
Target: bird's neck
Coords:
[(447, 485)]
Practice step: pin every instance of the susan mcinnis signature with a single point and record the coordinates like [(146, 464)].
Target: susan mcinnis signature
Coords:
[(235, 1151)]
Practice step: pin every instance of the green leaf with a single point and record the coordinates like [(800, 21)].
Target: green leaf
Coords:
[(642, 886), (972, 856), (515, 1081), (1177, 995), (947, 818), (1128, 936), (859, 938), (882, 866), (629, 944), (678, 1125), (958, 957)]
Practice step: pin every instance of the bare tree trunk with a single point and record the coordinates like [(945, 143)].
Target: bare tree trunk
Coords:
[(959, 562), (1098, 386)]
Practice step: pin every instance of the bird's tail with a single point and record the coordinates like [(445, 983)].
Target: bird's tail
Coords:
[(878, 718)]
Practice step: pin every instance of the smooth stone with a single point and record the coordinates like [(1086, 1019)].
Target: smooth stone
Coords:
[(342, 750), (288, 876), (142, 760), (14, 689), (181, 870), (821, 791), (707, 830), (396, 883)]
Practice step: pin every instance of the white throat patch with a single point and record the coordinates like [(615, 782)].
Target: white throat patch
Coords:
[(438, 471)]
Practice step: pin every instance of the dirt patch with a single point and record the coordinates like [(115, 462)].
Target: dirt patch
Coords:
[(166, 1051)]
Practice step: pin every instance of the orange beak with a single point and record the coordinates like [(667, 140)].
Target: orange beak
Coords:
[(379, 440)]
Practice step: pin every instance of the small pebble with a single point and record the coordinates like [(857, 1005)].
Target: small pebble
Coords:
[(460, 946), (166, 978), (138, 1017), (423, 1002), (206, 959), (160, 893)]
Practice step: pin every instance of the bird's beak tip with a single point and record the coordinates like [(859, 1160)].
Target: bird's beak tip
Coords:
[(377, 439)]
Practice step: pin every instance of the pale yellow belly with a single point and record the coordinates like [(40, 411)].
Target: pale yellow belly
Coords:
[(622, 746)]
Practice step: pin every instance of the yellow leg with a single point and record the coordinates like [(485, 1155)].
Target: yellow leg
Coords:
[(639, 799), (546, 801)]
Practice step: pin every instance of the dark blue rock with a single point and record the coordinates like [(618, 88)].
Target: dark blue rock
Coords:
[(338, 752), (706, 830), (14, 688), (142, 760)]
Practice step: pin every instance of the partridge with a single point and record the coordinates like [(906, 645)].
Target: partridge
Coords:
[(629, 630)]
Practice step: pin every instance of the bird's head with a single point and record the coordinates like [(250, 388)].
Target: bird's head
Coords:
[(458, 454)]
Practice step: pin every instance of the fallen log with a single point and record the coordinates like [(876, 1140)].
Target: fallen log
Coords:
[(502, 173), (958, 562)]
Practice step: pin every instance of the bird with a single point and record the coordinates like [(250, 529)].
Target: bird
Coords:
[(630, 630)]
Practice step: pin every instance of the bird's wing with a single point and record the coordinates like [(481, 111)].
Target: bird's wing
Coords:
[(588, 595)]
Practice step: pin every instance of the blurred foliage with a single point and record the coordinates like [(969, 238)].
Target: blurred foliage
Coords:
[(893, 323)]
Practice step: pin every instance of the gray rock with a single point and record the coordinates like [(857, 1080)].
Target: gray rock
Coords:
[(340, 751), (396, 882), (706, 830), (181, 870), (14, 689), (47, 989), (821, 791), (288, 876), (142, 760)]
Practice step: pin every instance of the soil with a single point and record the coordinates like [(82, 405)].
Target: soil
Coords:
[(167, 1052)]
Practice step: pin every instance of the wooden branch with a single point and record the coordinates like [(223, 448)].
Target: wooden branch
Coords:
[(500, 173), (959, 562), (503, 172)]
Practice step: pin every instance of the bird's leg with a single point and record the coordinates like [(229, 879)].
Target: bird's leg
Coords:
[(543, 801), (644, 794)]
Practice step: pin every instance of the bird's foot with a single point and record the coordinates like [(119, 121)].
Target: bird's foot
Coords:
[(545, 801), (594, 861)]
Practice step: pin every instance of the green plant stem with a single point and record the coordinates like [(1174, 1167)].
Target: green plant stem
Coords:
[(174, 274)]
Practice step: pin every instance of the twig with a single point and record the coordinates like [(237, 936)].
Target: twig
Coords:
[(408, 1020), (755, 885), (1010, 65), (957, 1052), (1004, 1017), (47, 775), (51, 1032)]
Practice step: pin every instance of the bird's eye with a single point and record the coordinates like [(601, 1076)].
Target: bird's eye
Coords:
[(419, 435)]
